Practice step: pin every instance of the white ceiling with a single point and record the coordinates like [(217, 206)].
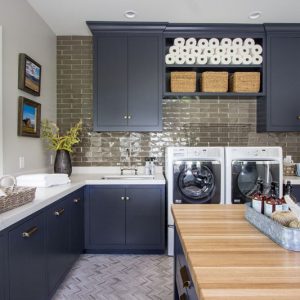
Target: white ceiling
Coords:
[(68, 17)]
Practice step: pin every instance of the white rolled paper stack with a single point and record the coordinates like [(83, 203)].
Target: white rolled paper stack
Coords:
[(174, 50), (185, 50), (232, 50), (202, 59), (213, 43), (236, 59), (180, 59), (209, 52), (203, 43), (215, 60), (190, 59), (249, 43), (257, 60), (243, 51), (196, 51), (256, 50), (170, 59), (226, 59), (179, 42), (238, 42), (191, 42), (247, 60), (221, 50), (226, 42)]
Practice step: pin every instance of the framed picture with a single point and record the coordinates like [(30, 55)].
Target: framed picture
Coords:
[(29, 118), (29, 75)]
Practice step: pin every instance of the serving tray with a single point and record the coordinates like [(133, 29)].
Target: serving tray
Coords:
[(288, 238)]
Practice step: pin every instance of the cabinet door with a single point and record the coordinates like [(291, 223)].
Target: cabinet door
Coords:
[(144, 82), (145, 217), (283, 88), (27, 276), (110, 82), (3, 275), (57, 242), (105, 217), (77, 225)]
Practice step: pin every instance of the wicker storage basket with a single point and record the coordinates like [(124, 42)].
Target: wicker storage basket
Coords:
[(245, 82), (214, 82), (289, 170), (183, 82), (15, 196)]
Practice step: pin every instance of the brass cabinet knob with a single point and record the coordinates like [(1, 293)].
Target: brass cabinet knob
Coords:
[(29, 232), (125, 117), (127, 198), (122, 198), (129, 117), (59, 212), (186, 282), (76, 200)]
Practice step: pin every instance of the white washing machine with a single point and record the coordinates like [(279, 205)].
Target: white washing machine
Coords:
[(246, 165), (195, 175)]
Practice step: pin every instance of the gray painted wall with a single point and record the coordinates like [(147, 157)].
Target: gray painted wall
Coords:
[(25, 32)]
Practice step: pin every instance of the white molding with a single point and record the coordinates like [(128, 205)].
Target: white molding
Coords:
[(1, 106)]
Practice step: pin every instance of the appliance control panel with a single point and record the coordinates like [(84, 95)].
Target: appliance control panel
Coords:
[(260, 152)]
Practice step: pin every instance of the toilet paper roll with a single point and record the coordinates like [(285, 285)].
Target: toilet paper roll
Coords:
[(236, 59), (174, 50), (196, 51), (226, 42), (221, 50), (249, 43), (213, 43), (243, 50), (170, 59), (247, 60), (257, 60), (203, 43), (226, 59), (256, 50), (185, 50), (232, 50), (180, 59), (209, 51), (237, 42), (179, 42), (190, 59), (202, 59), (191, 42), (215, 60)]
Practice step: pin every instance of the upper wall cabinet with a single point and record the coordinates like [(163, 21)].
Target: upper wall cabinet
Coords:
[(127, 76), (280, 109)]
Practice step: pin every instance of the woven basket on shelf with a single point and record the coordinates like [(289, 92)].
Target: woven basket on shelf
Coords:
[(214, 82), (245, 82), (184, 82), (15, 195)]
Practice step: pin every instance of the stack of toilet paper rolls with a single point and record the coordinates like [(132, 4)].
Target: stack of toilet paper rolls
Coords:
[(214, 51)]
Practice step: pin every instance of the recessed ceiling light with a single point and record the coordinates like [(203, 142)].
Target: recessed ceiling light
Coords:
[(254, 15), (130, 14)]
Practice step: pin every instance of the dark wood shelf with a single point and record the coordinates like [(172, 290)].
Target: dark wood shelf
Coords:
[(169, 95)]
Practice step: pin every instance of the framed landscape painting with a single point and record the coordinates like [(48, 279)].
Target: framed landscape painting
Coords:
[(29, 75), (29, 118)]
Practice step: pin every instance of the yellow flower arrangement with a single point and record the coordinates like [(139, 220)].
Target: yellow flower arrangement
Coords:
[(56, 141)]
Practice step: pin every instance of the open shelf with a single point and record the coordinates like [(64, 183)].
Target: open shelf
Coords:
[(169, 95)]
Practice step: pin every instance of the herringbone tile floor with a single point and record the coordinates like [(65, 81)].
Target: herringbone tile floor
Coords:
[(119, 277)]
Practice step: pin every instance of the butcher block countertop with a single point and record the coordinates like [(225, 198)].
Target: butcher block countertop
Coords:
[(230, 259)]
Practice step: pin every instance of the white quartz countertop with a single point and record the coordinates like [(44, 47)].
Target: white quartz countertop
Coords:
[(47, 196), (293, 179)]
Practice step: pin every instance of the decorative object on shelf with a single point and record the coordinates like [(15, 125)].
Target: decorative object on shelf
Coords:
[(13, 196), (245, 82), (183, 82), (215, 82), (62, 144), (29, 118), (29, 75)]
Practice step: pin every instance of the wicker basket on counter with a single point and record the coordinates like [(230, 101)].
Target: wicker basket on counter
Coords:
[(184, 82), (245, 82), (15, 195), (214, 82), (289, 170)]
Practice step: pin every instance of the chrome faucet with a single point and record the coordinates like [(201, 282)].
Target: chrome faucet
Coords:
[(129, 167)]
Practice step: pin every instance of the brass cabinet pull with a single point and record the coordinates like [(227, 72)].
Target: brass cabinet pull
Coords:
[(298, 117), (125, 117), (59, 212), (183, 297), (30, 232), (185, 277), (129, 117), (122, 198), (127, 198), (76, 200)]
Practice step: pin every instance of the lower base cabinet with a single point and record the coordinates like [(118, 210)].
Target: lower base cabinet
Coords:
[(125, 219), (3, 269)]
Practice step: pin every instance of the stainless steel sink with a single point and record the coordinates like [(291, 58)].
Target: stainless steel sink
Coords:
[(128, 177)]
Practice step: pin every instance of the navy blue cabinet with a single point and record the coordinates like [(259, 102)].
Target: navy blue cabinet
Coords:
[(128, 64), (27, 264), (125, 218), (3, 269), (280, 110)]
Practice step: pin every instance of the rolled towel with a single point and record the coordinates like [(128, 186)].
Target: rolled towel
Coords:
[(202, 59), (196, 51), (232, 50), (243, 50), (215, 60), (180, 59), (226, 42), (203, 43), (237, 42), (185, 50), (213, 43), (225, 59), (209, 51), (221, 50), (257, 60), (179, 42), (256, 50), (42, 180), (190, 59), (174, 50), (249, 43), (236, 59), (191, 42), (247, 60), (170, 59)]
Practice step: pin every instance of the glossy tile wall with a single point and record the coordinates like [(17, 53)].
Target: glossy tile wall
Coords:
[(186, 122)]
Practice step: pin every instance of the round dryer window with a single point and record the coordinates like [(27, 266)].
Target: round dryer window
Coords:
[(197, 183)]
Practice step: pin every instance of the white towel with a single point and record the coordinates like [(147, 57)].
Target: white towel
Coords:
[(42, 180)]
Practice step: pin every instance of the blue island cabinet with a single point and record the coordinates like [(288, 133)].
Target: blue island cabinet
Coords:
[(125, 219), (3, 269)]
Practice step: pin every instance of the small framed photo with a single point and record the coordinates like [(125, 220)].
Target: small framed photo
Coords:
[(29, 118), (29, 75)]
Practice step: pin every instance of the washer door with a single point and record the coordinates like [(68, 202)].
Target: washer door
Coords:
[(196, 183)]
